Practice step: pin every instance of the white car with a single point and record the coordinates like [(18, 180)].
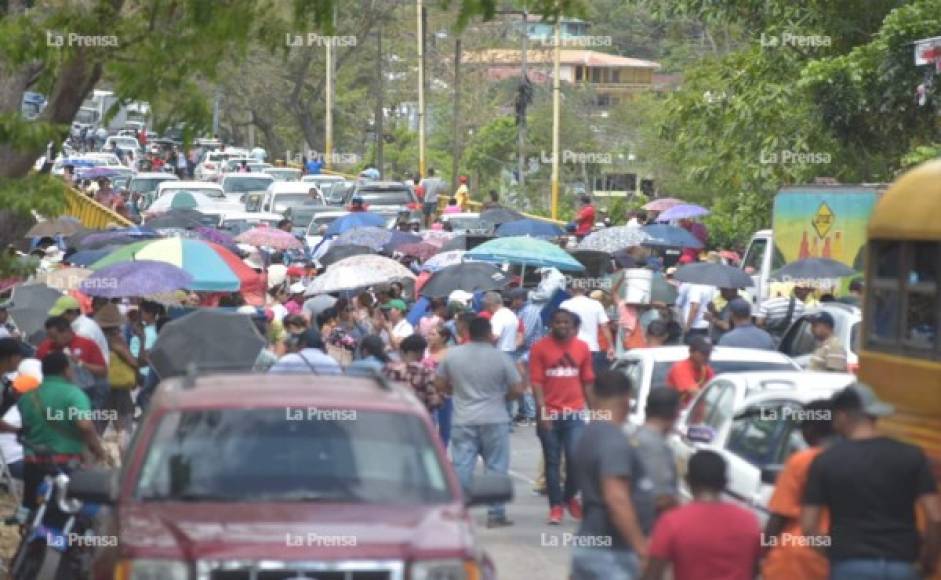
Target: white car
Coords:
[(284, 173), (236, 222), (466, 223), (753, 421), (123, 142), (209, 166), (282, 195), (209, 196), (799, 343), (648, 367), (319, 224), (235, 185), (332, 186)]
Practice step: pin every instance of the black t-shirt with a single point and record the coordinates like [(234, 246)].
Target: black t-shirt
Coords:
[(870, 487)]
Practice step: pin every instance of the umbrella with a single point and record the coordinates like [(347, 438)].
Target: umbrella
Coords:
[(371, 237), (469, 276), (500, 215), (663, 204), (420, 250), (64, 279), (215, 236), (613, 239), (812, 269), (443, 260), (669, 236), (596, 263), (178, 218), (61, 226), (526, 251), (709, 274), (96, 172), (683, 211), (138, 278), (88, 257), (337, 253), (318, 304), (398, 238), (464, 242), (437, 237), (116, 236), (31, 304), (529, 227), (354, 220), (264, 236), (358, 272), (202, 260), (210, 339)]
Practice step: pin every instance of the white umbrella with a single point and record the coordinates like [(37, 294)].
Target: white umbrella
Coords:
[(358, 272)]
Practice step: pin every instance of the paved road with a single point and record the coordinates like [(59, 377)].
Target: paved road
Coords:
[(530, 548)]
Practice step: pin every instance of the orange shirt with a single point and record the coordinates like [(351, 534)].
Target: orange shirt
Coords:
[(685, 378), (790, 558)]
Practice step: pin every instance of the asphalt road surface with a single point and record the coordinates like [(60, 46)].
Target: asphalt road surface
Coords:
[(530, 548)]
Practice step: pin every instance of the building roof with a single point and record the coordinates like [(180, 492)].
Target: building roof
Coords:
[(592, 58)]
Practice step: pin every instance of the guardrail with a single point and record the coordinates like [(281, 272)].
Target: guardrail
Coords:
[(92, 214)]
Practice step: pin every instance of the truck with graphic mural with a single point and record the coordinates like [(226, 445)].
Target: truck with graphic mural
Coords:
[(810, 221)]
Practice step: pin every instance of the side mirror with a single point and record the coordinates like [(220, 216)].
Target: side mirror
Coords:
[(770, 473), (488, 489), (94, 485), (700, 434)]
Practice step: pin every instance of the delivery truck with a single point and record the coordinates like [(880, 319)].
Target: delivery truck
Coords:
[(810, 221)]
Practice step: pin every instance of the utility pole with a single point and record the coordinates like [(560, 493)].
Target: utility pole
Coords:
[(328, 117), (521, 127), (380, 108), (556, 114), (458, 132), (421, 89)]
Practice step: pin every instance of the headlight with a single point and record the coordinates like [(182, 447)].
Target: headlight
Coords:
[(445, 570), (152, 570)]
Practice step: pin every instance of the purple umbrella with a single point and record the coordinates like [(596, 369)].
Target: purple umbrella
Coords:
[(683, 211), (136, 278), (96, 172), (215, 236), (116, 236)]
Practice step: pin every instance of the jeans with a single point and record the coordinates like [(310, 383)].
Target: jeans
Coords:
[(560, 438), (528, 406), (491, 442), (604, 564), (866, 569), (442, 416), (600, 362)]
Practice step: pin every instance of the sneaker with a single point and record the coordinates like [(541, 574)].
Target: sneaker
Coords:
[(498, 521), (555, 515), (575, 508)]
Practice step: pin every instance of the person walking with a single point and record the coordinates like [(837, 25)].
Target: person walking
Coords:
[(708, 537), (592, 320), (649, 441), (831, 353), (480, 378), (610, 543), (503, 322), (692, 301), (744, 334), (433, 186), (561, 373), (871, 486)]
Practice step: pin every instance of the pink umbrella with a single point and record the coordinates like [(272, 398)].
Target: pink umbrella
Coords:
[(264, 236), (420, 250), (663, 204)]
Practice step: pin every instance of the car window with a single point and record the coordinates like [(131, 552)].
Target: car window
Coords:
[(634, 369), (245, 184), (854, 338), (146, 184), (765, 436), (244, 455), (715, 406), (661, 369), (799, 340), (208, 192), (283, 201), (386, 197)]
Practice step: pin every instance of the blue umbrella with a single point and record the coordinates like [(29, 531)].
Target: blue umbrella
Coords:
[(89, 257), (398, 238), (526, 251), (96, 172), (354, 220), (117, 236), (371, 237), (529, 227), (683, 211), (670, 236), (137, 278)]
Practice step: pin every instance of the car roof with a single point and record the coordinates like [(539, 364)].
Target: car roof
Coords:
[(803, 386), (719, 353), (382, 185), (320, 176), (192, 184), (280, 390), (292, 187), (252, 174), (837, 309), (157, 174)]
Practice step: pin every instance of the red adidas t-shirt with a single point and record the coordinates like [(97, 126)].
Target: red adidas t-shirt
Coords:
[(708, 540), (562, 368), (86, 350)]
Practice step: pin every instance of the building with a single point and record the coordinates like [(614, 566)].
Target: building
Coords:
[(612, 77), (544, 31)]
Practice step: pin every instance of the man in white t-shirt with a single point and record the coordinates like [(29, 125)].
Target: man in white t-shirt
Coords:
[(395, 324), (693, 300), (592, 320), (503, 323)]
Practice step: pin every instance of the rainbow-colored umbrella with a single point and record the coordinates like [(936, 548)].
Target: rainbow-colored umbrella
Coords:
[(201, 260)]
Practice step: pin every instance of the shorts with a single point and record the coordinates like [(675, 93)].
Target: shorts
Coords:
[(429, 207)]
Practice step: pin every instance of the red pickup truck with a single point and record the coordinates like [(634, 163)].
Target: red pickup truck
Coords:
[(286, 477)]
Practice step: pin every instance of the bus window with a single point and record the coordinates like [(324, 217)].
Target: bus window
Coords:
[(883, 323), (922, 311)]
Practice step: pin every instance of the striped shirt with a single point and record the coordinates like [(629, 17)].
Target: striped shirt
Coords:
[(774, 312)]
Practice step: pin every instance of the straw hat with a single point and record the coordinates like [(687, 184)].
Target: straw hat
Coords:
[(109, 316)]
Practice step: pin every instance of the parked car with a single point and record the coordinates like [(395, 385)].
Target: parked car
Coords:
[(753, 420), (261, 476), (648, 367), (386, 198), (799, 343)]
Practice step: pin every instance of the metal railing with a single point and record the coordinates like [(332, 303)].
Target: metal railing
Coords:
[(92, 214)]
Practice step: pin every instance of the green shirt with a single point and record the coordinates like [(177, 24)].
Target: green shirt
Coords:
[(50, 414)]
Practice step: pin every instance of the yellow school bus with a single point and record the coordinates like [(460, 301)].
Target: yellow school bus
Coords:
[(901, 349)]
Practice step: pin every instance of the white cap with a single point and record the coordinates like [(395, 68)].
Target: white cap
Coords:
[(461, 296)]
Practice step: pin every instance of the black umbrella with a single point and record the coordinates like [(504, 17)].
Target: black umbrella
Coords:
[(464, 242), (178, 218), (468, 276), (31, 304), (813, 269), (337, 253), (596, 262), (500, 215), (718, 275), (624, 260), (210, 339)]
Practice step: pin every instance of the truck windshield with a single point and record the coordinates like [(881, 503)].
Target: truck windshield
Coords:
[(751, 263), (292, 454)]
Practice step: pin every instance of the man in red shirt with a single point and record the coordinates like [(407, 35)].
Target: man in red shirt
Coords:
[(690, 375), (585, 219), (707, 538), (84, 353), (561, 372)]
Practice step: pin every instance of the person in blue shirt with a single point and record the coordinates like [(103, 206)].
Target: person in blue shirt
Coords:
[(314, 165)]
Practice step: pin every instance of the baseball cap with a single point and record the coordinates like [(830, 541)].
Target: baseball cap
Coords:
[(396, 304), (64, 304), (861, 396), (700, 344), (823, 318), (739, 307)]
